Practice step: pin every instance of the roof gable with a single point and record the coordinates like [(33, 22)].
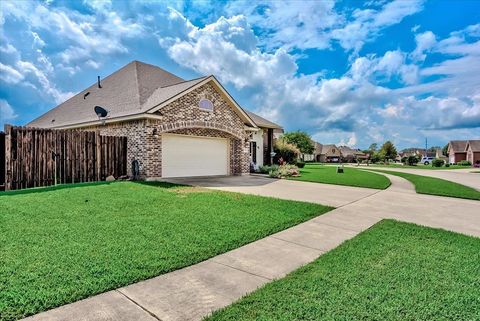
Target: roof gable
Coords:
[(184, 88), (474, 145), (262, 122), (457, 146)]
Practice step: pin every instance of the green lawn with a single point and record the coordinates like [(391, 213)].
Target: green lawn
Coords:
[(420, 166), (351, 176), (62, 245), (437, 186), (393, 271)]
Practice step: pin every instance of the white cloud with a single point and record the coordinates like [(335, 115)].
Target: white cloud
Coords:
[(368, 23), (291, 24), (347, 107), (10, 75), (6, 112), (425, 41), (83, 35)]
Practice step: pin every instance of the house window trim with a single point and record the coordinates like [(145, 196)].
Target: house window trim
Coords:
[(205, 109)]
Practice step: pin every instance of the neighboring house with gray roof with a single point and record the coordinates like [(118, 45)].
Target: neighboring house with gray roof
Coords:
[(174, 127), (330, 154), (473, 152), (456, 151), (351, 155)]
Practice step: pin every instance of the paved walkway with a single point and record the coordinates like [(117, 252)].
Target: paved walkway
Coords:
[(193, 292)]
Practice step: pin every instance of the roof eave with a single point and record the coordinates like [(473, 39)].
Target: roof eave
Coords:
[(107, 121)]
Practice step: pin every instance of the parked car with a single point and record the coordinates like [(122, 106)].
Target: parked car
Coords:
[(426, 160)]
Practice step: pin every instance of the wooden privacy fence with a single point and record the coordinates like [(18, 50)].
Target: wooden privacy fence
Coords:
[(42, 157)]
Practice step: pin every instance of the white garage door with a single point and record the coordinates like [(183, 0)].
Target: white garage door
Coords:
[(184, 156)]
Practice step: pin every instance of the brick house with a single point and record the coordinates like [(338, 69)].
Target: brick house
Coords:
[(329, 154), (174, 127), (456, 151), (473, 151)]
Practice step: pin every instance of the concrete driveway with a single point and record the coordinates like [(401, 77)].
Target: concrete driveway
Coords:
[(399, 201), (326, 194)]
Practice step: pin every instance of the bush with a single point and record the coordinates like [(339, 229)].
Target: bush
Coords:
[(412, 160), (464, 163), (437, 162), (300, 164), (447, 165), (282, 171), (266, 169), (288, 152)]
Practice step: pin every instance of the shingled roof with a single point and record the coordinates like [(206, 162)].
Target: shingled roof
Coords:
[(474, 145), (135, 89), (262, 122), (458, 146)]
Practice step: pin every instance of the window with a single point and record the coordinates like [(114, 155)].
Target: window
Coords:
[(205, 104), (333, 150)]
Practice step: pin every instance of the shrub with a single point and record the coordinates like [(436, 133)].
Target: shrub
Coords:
[(288, 152), (464, 163), (447, 165), (267, 168), (282, 171), (300, 164), (412, 160), (437, 162)]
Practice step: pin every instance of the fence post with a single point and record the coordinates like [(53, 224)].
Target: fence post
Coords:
[(98, 146), (8, 169)]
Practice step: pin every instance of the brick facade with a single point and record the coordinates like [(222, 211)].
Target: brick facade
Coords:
[(183, 116)]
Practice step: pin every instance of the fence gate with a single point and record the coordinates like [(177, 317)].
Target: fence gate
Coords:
[(37, 157)]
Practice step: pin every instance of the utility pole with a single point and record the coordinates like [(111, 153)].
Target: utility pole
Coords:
[(426, 147)]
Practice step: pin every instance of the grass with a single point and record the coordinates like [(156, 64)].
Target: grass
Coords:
[(393, 271), (437, 186), (351, 177), (61, 245), (420, 166)]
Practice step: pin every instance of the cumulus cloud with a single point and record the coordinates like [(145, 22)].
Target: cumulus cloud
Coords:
[(352, 106), (6, 112), (425, 42), (10, 75), (367, 23), (84, 35)]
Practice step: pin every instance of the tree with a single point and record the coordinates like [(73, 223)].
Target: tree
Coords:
[(300, 139), (283, 149), (445, 150), (373, 148), (388, 150)]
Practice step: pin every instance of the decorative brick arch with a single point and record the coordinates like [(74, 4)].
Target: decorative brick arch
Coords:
[(190, 124)]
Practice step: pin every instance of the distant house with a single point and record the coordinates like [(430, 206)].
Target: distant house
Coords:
[(457, 151), (473, 151), (330, 154), (351, 155)]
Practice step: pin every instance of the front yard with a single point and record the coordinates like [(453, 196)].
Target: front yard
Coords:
[(393, 271), (437, 186), (62, 245), (351, 176)]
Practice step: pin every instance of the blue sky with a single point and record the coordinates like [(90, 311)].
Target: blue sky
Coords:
[(347, 72)]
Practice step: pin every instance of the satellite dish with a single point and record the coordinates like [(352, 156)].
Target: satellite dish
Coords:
[(101, 112)]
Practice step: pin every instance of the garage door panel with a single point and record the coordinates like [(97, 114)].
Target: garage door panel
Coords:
[(184, 156)]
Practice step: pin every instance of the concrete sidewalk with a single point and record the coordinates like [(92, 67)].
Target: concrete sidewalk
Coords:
[(194, 292)]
